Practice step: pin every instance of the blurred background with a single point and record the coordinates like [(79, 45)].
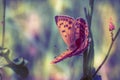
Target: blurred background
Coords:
[(31, 33)]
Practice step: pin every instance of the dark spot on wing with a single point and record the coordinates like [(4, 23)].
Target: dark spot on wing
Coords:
[(66, 19), (66, 25), (65, 35), (81, 31), (61, 23), (82, 20), (63, 30), (70, 22), (69, 27), (78, 26), (82, 27)]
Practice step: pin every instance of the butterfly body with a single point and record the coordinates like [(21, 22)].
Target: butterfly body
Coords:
[(74, 32)]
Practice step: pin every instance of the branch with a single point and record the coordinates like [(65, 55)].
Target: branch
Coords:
[(3, 33), (108, 53)]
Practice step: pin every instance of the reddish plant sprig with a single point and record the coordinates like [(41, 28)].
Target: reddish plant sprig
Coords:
[(111, 28)]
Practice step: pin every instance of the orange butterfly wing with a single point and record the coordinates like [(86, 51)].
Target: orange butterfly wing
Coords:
[(66, 28), (81, 35), (74, 34)]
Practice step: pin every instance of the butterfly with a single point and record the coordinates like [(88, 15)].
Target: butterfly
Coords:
[(74, 33)]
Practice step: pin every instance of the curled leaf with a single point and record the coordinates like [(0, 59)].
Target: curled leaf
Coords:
[(20, 61), (20, 69), (18, 65)]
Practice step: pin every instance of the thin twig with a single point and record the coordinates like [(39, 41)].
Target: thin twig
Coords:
[(3, 32), (107, 52)]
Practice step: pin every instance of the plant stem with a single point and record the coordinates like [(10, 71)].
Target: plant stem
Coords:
[(88, 56), (3, 32), (107, 52)]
